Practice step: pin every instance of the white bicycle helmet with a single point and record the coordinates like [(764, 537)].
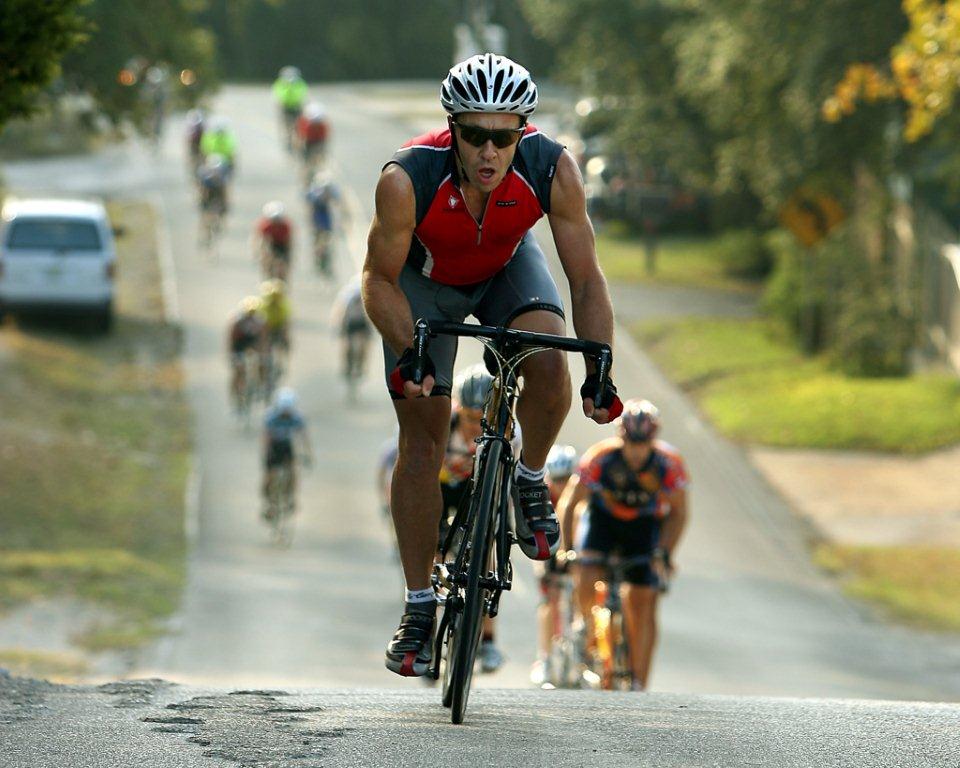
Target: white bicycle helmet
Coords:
[(314, 111), (561, 461), (489, 83), (289, 73), (273, 210), (285, 399), (470, 388)]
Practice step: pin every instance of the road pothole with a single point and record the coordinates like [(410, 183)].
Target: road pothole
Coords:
[(250, 728)]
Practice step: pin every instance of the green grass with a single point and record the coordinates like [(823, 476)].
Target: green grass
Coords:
[(94, 445), (918, 585), (690, 261), (43, 664), (756, 388)]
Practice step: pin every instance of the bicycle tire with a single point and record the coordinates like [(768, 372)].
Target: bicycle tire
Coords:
[(467, 638)]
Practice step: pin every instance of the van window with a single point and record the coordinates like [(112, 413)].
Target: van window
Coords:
[(53, 235)]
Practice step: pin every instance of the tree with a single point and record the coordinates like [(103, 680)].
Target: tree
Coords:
[(130, 35), (33, 38)]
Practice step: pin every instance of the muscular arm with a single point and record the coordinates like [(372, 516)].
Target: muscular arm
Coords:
[(387, 246), (573, 495), (676, 521), (573, 235)]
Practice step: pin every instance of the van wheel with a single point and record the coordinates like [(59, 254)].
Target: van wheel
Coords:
[(104, 321)]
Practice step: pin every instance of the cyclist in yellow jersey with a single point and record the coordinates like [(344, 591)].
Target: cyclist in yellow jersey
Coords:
[(276, 311)]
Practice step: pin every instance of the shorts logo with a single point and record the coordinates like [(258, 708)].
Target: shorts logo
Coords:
[(452, 201), (506, 203)]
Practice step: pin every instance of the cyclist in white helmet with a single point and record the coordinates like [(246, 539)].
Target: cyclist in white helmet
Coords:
[(561, 467), (451, 237), (283, 424)]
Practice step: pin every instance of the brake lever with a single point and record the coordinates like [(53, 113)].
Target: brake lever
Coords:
[(604, 362), (421, 340)]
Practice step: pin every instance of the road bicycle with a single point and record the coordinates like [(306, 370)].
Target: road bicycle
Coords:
[(563, 666), (474, 568), (281, 505), (249, 388), (355, 343), (323, 243), (212, 215), (611, 670)]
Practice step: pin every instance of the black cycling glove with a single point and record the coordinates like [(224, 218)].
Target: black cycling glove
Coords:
[(404, 370), (609, 400)]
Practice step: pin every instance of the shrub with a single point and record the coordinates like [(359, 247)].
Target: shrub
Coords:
[(744, 254)]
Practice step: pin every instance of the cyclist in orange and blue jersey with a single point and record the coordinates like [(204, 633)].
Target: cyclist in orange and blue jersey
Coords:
[(631, 495)]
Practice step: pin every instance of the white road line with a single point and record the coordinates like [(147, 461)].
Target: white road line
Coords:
[(168, 270)]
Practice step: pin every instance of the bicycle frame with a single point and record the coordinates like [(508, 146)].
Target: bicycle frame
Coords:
[(482, 523)]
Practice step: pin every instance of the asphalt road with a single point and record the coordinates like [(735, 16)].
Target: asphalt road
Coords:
[(747, 614), (154, 725)]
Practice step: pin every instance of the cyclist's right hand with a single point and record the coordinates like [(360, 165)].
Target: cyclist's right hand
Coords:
[(401, 377)]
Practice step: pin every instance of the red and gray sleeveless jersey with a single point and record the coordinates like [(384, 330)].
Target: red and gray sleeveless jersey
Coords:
[(448, 244)]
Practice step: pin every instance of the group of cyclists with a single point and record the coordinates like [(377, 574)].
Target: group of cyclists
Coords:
[(258, 337), (451, 238)]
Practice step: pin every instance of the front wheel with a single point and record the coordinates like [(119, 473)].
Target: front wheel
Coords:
[(463, 652)]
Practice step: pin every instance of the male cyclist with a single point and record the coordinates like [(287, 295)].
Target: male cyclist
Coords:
[(282, 423), (450, 237), (349, 319), (272, 240), (323, 197), (247, 331), (290, 93), (218, 139), (632, 491), (312, 130), (561, 466)]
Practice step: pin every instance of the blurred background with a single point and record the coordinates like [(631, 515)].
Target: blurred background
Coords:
[(775, 189)]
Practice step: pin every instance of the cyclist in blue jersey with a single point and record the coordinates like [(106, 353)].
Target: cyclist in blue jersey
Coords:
[(325, 202), (283, 423)]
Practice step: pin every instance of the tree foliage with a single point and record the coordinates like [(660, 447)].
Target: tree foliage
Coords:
[(134, 34), (350, 39), (33, 38), (747, 96)]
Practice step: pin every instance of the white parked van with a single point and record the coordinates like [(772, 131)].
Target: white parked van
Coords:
[(57, 254)]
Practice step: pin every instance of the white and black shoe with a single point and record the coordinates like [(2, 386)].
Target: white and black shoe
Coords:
[(538, 532), (410, 652)]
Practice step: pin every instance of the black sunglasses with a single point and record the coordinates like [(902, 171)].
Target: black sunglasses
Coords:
[(501, 137)]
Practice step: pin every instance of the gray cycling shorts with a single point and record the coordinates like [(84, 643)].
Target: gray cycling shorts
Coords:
[(523, 285)]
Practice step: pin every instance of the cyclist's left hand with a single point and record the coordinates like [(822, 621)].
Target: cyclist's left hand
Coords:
[(611, 405)]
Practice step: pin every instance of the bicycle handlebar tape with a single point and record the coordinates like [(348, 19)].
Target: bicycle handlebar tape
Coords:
[(607, 399), (406, 369)]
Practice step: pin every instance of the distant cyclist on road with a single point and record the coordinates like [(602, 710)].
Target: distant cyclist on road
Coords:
[(349, 320), (276, 312), (290, 93), (325, 202), (212, 184), (283, 424), (631, 490), (312, 131), (273, 237), (218, 139), (561, 466), (451, 237), (247, 332)]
